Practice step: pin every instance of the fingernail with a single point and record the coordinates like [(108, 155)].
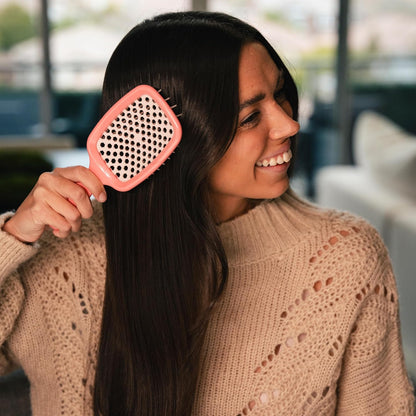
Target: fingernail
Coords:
[(102, 197)]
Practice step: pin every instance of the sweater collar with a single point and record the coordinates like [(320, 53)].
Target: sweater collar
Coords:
[(268, 229)]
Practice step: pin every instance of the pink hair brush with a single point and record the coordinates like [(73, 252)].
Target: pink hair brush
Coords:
[(133, 139)]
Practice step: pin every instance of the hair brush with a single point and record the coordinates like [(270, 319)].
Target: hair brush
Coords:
[(133, 139)]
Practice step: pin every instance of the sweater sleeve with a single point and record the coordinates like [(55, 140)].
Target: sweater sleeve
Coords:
[(12, 254), (374, 380)]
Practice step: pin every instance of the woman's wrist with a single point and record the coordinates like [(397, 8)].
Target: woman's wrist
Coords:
[(8, 228)]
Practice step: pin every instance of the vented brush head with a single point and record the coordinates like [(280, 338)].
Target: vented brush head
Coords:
[(133, 139)]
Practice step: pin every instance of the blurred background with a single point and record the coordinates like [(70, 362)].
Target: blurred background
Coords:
[(354, 62)]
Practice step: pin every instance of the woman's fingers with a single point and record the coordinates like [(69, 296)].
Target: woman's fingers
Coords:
[(65, 196), (55, 209), (83, 176), (59, 199)]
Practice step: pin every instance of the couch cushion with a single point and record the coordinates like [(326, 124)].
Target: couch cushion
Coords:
[(387, 152)]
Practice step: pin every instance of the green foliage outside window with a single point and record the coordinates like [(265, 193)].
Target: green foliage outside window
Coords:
[(16, 25)]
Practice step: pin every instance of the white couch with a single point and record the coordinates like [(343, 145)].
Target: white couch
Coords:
[(382, 189)]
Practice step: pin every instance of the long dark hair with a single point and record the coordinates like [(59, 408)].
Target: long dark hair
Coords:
[(166, 266)]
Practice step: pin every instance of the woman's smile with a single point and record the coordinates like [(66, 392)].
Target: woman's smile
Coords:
[(280, 158)]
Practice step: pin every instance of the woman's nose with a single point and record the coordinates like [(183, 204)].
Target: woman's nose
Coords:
[(282, 125)]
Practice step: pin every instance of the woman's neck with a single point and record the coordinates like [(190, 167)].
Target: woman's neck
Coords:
[(232, 208)]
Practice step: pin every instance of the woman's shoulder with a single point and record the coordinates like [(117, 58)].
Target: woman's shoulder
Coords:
[(338, 236), (327, 219), (353, 247)]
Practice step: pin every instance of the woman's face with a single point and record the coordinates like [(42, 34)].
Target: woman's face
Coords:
[(256, 163)]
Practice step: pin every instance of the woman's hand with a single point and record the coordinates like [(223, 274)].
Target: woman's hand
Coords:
[(57, 200)]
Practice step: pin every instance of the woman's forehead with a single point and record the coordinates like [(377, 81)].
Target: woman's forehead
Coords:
[(257, 70)]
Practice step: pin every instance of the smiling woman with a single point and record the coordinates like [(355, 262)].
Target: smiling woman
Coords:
[(210, 289), (256, 164)]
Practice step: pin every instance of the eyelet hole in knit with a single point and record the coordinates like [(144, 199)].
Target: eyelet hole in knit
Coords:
[(301, 337), (317, 286), (333, 240), (264, 398), (290, 342)]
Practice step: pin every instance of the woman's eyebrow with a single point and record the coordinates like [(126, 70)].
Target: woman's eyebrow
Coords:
[(252, 100), (280, 82)]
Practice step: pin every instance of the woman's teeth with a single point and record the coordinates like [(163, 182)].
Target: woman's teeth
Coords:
[(278, 160)]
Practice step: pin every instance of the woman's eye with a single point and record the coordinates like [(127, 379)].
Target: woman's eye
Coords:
[(250, 119)]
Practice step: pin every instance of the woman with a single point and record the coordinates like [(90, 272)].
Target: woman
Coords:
[(210, 289)]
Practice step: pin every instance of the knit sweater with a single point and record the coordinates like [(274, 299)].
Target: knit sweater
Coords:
[(307, 325)]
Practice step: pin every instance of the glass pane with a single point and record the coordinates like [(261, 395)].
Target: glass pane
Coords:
[(383, 59), (20, 74)]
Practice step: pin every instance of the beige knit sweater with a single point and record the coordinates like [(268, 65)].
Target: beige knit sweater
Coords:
[(308, 323)]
